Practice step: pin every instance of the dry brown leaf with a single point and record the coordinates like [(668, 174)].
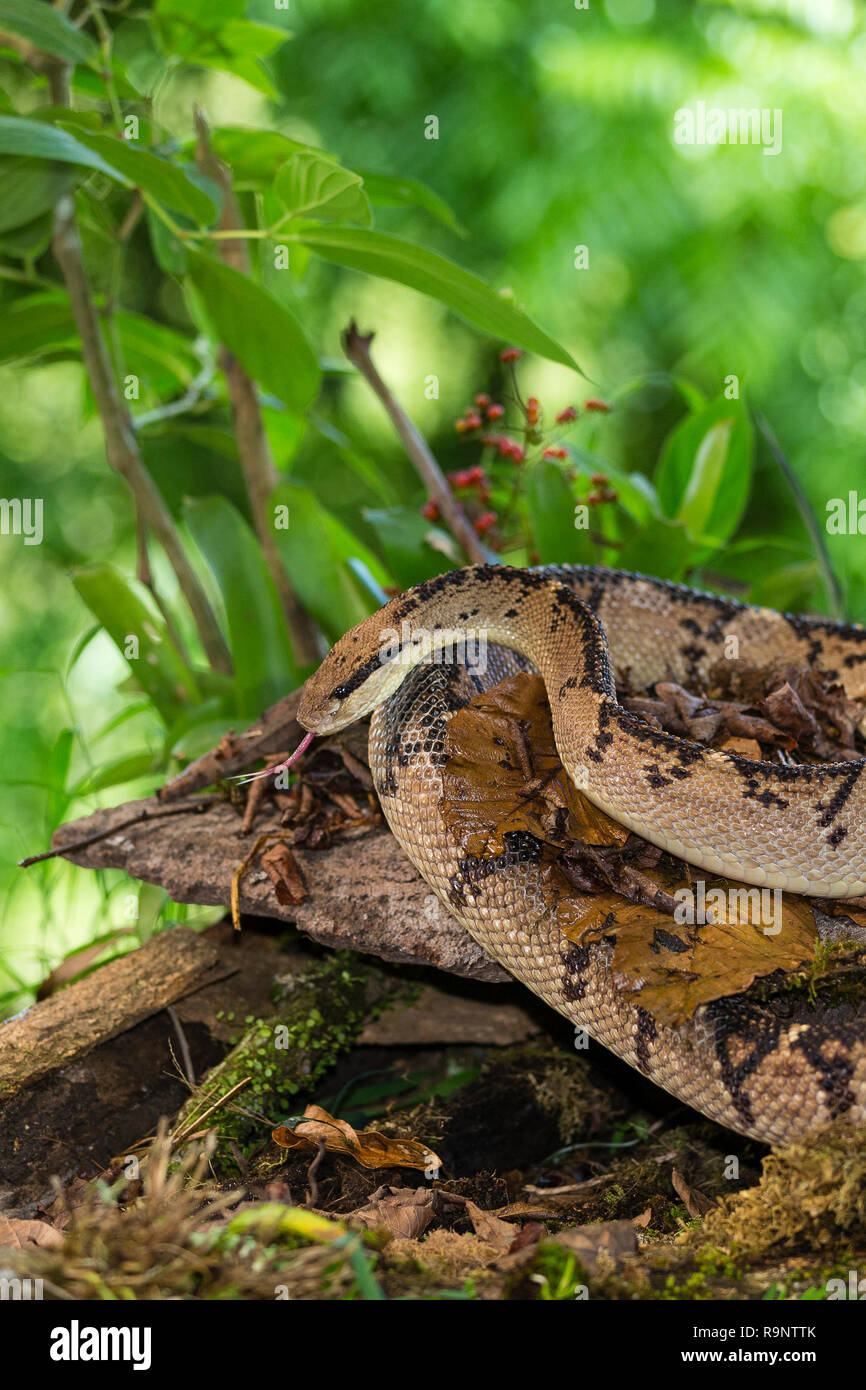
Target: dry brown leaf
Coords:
[(405, 1212), (676, 968), (367, 1147), (19, 1233), (503, 775), (281, 867), (641, 1222), (695, 1202), (743, 747)]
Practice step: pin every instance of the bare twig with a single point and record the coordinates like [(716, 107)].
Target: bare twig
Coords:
[(254, 451), (121, 447), (138, 819), (357, 349)]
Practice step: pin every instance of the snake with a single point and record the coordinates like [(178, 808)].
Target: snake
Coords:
[(742, 1061)]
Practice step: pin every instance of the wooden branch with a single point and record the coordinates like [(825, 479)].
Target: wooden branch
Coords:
[(121, 445), (254, 450), (363, 893), (357, 349)]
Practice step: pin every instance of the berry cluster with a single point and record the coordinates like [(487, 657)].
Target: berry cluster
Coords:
[(485, 482)]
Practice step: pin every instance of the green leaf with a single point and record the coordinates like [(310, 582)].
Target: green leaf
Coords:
[(311, 186), (119, 605), (263, 334), (43, 323), (47, 29), (466, 294), (405, 537), (30, 188), (315, 550), (264, 667), (705, 470), (390, 192), (33, 139), (551, 502), (252, 154), (166, 182), (117, 771), (244, 37), (661, 548)]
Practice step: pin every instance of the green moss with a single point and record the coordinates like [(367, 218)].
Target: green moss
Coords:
[(317, 1016)]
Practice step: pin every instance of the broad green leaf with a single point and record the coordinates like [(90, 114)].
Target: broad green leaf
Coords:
[(316, 548), (43, 323), (263, 663), (406, 536), (117, 771), (46, 29), (30, 241), (264, 335), (245, 37), (393, 259), (31, 187), (252, 154), (551, 503), (661, 548), (33, 139), (163, 180), (311, 186), (390, 192), (705, 470), (120, 607)]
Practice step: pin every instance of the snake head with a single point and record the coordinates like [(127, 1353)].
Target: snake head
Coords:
[(360, 672)]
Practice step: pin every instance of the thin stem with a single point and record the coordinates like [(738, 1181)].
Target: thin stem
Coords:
[(357, 348), (121, 446), (832, 586)]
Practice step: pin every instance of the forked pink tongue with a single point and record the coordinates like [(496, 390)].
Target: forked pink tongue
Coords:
[(280, 767)]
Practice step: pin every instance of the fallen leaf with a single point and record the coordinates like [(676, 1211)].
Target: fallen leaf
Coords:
[(367, 1147), (503, 776), (281, 867), (694, 1201), (641, 1222), (19, 1233)]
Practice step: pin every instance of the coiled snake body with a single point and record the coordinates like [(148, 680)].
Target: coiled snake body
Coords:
[(800, 828)]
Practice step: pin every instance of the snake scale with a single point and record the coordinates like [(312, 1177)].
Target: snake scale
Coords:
[(800, 828)]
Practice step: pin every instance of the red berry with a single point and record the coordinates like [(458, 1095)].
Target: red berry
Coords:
[(593, 499), (485, 521), (595, 404), (555, 453), (430, 510), (473, 420), (533, 410), (482, 400), (565, 415), (600, 479), (517, 452), (474, 476), (461, 426), (610, 495), (510, 354), (495, 412)]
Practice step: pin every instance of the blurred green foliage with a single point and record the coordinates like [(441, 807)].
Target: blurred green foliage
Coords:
[(690, 282)]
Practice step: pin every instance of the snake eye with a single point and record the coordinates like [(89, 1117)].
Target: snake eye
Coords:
[(340, 692)]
